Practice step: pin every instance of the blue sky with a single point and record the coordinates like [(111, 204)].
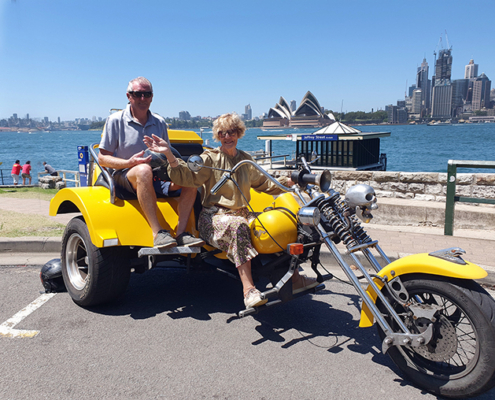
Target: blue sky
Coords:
[(74, 58)]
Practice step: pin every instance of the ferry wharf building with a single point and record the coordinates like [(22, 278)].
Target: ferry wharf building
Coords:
[(309, 114)]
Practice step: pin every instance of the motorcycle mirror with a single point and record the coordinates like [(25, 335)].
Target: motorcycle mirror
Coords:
[(195, 163)]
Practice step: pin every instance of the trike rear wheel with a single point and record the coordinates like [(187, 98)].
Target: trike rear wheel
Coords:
[(92, 275)]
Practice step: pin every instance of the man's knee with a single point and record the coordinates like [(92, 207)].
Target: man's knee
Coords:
[(141, 173)]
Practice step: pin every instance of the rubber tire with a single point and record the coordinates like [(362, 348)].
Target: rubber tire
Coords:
[(479, 307), (108, 269)]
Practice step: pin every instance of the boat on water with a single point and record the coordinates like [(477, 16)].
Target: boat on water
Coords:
[(440, 123), (334, 147)]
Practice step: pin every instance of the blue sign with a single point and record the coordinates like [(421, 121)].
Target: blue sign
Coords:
[(83, 156), (320, 137)]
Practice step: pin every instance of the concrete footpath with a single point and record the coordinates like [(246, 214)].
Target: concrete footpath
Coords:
[(396, 241)]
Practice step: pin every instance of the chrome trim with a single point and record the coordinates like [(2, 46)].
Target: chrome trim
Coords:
[(104, 171)]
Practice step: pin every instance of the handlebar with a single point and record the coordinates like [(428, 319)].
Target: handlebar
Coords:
[(271, 178), (220, 183)]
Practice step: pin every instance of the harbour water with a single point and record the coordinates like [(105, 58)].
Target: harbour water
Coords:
[(410, 148)]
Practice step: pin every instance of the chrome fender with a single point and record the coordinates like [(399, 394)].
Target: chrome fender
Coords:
[(421, 263)]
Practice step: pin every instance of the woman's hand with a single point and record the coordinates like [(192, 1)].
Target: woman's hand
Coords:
[(157, 144)]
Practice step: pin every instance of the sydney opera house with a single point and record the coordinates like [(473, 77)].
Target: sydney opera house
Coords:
[(309, 114)]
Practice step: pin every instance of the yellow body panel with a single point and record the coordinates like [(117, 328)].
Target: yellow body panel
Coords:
[(424, 264), (123, 220), (179, 136)]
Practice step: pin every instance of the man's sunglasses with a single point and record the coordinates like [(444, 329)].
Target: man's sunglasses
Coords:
[(138, 95)]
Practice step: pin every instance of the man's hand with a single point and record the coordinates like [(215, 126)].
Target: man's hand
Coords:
[(139, 159), (157, 144)]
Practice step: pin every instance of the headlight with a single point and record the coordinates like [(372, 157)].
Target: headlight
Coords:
[(309, 216)]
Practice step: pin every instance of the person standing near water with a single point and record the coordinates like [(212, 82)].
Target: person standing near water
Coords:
[(26, 172), (16, 170)]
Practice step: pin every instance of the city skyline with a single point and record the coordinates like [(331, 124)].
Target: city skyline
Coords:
[(75, 60)]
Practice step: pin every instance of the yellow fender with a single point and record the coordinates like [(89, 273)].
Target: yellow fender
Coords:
[(423, 264), (123, 220)]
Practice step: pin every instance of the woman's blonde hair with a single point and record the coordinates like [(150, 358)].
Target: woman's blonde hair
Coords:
[(227, 122)]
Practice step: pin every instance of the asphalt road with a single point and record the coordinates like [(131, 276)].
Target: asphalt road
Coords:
[(175, 336)]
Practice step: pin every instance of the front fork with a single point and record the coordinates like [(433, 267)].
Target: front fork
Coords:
[(404, 338)]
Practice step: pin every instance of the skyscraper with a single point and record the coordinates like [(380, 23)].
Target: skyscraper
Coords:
[(293, 105), (248, 112), (442, 91), (481, 92), (443, 66), (423, 83), (471, 70)]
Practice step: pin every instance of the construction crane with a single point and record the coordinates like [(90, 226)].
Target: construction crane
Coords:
[(447, 39), (439, 45)]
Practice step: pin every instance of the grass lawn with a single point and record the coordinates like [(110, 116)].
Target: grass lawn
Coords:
[(13, 224), (28, 193)]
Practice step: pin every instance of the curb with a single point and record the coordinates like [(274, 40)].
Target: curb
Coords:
[(54, 245), (31, 245)]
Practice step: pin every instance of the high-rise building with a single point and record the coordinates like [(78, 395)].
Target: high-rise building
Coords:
[(411, 89), (416, 101), (248, 112), (459, 91), (443, 65), (396, 114), (293, 105), (423, 83), (471, 70), (481, 92), (184, 115), (459, 95), (442, 100), (442, 90)]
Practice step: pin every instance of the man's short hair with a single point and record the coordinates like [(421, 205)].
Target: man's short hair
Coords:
[(141, 80)]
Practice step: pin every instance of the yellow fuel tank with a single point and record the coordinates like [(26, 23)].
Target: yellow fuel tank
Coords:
[(279, 222)]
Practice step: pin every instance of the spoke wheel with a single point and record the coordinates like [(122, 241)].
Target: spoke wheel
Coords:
[(459, 361)]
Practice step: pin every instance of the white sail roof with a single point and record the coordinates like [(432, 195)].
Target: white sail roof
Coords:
[(337, 128)]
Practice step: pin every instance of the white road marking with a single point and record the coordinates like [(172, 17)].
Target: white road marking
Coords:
[(7, 328)]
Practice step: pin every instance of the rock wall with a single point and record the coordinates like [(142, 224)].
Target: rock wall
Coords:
[(423, 186)]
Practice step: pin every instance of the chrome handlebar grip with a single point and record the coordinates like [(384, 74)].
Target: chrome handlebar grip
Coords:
[(220, 183)]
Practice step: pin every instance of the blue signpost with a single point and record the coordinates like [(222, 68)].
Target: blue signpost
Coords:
[(83, 156)]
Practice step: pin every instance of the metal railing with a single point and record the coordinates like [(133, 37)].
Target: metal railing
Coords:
[(5, 176), (271, 159), (451, 184), (63, 174)]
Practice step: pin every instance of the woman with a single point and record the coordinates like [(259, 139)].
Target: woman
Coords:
[(225, 218), (16, 170), (26, 172)]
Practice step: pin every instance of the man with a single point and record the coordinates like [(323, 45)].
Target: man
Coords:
[(122, 149), (50, 169), (16, 170)]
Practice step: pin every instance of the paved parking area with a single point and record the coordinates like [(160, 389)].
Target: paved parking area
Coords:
[(176, 336)]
